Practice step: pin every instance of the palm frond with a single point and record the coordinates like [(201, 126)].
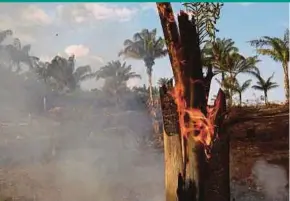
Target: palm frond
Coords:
[(257, 87)]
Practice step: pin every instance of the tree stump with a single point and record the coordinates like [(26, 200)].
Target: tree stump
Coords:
[(188, 174)]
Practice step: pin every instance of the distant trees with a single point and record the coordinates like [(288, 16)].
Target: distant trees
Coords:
[(116, 75), (147, 47), (240, 88), (225, 59), (19, 54), (220, 56), (278, 50), (264, 85), (61, 73)]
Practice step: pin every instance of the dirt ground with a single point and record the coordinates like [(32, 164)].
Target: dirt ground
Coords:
[(258, 133), (255, 133)]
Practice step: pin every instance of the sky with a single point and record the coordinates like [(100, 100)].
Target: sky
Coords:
[(95, 33)]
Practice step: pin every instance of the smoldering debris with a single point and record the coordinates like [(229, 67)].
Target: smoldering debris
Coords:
[(271, 179), (270, 184)]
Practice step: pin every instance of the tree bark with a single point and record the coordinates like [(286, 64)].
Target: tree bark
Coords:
[(240, 97), (218, 180), (150, 88), (172, 143), (266, 97), (286, 81), (185, 58)]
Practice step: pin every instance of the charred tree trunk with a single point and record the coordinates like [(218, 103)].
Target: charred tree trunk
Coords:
[(172, 143), (185, 57), (218, 181)]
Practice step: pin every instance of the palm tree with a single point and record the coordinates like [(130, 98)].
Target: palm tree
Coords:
[(264, 85), (240, 88), (215, 53), (163, 81), (4, 34), (19, 54), (147, 47), (278, 50), (223, 56), (116, 76), (3, 54), (61, 74), (236, 64)]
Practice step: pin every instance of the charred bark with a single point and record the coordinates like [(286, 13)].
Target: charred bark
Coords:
[(185, 57), (218, 181), (172, 143)]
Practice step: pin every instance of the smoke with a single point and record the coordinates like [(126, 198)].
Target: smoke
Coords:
[(89, 153), (272, 180)]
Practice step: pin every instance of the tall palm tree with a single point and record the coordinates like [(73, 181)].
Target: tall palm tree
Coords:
[(215, 53), (163, 81), (19, 54), (223, 56), (147, 47), (264, 85), (240, 88), (116, 76), (236, 64), (61, 73), (278, 50)]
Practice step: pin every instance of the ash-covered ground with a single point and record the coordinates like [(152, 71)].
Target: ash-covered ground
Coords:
[(89, 152)]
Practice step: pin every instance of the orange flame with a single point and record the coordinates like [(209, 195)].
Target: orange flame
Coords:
[(199, 125)]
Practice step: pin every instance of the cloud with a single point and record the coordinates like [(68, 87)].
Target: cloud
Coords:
[(245, 4), (133, 82), (27, 15), (23, 19), (80, 13), (77, 50), (35, 15), (148, 6)]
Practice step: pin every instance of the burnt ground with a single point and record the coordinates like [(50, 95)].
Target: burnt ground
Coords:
[(258, 133), (26, 174)]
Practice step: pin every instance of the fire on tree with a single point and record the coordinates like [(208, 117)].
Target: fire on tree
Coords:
[(196, 151)]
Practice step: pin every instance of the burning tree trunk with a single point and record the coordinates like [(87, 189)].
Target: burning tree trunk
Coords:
[(195, 120), (172, 143)]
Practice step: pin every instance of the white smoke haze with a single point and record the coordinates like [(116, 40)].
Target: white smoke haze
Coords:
[(90, 153), (270, 184), (272, 179)]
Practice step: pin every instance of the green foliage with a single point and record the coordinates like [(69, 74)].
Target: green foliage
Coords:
[(60, 73), (147, 47), (264, 85), (240, 88), (276, 48), (205, 16), (116, 75), (214, 53), (163, 81)]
